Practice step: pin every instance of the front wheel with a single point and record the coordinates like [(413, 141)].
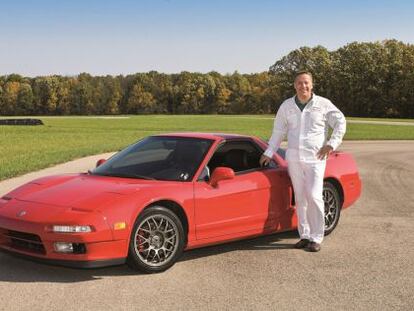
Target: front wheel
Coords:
[(332, 206), (157, 240)]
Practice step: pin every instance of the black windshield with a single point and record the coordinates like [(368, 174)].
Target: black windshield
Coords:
[(158, 157)]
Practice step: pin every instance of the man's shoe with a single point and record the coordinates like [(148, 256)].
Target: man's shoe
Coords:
[(314, 247), (302, 243)]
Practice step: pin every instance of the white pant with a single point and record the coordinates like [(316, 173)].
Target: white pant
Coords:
[(307, 180)]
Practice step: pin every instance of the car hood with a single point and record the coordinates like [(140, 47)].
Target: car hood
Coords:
[(80, 190)]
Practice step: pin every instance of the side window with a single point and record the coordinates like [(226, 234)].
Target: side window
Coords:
[(238, 155)]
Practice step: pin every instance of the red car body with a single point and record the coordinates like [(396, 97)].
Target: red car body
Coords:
[(240, 206)]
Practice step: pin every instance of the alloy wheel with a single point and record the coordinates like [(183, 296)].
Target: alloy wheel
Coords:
[(330, 198), (156, 240)]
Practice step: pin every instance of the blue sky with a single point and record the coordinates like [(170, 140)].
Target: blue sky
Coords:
[(121, 37)]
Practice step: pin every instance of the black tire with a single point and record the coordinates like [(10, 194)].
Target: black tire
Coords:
[(332, 202), (157, 240)]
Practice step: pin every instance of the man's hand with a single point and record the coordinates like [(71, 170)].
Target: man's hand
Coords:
[(264, 160), (324, 152)]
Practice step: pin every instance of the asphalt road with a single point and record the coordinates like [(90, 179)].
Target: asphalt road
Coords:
[(367, 263)]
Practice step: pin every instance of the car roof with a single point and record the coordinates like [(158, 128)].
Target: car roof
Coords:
[(213, 136)]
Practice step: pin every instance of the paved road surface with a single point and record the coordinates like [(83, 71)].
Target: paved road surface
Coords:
[(366, 264)]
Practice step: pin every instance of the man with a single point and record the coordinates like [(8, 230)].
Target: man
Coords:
[(306, 119)]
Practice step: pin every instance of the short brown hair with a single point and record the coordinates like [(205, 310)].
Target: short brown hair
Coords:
[(303, 72)]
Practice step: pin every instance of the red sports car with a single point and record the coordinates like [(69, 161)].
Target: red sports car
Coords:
[(160, 196)]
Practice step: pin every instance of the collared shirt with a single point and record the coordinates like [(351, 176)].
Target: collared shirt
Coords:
[(300, 105), (307, 130)]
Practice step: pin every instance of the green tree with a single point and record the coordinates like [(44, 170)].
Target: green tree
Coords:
[(9, 98), (240, 89), (140, 101), (64, 104), (317, 60), (45, 94), (24, 101)]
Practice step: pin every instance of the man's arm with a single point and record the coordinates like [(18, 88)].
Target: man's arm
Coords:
[(337, 122), (279, 132)]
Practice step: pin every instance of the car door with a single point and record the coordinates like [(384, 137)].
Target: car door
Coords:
[(250, 203), (282, 210)]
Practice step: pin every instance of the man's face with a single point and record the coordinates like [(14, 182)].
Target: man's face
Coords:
[(303, 86)]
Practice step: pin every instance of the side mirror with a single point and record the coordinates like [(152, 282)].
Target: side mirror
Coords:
[(221, 173), (100, 162)]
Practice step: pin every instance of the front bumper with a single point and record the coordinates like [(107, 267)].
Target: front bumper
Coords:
[(81, 264), (29, 236)]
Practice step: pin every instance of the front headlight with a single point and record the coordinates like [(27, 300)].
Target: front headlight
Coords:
[(71, 229)]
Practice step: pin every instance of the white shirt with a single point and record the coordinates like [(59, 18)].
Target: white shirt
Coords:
[(307, 130)]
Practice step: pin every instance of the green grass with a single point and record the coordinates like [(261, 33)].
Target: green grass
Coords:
[(382, 119), (28, 148)]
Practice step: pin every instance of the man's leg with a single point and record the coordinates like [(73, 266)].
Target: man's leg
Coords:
[(298, 181), (315, 213)]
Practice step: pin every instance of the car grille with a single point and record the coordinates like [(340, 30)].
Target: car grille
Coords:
[(23, 241)]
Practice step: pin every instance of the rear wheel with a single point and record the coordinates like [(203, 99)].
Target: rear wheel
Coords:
[(157, 240), (332, 206)]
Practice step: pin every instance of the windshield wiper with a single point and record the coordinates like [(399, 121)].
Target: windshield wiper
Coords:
[(124, 175)]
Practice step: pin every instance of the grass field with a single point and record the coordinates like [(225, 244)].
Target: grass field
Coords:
[(28, 148), (382, 119)]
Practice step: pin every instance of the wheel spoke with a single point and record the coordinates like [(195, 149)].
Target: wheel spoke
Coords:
[(170, 238), (155, 257), (148, 224), (157, 225), (142, 238), (160, 224)]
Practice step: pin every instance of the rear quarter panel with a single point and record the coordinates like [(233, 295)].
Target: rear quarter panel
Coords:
[(342, 167)]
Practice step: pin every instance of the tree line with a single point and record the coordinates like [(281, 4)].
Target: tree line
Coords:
[(371, 79)]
